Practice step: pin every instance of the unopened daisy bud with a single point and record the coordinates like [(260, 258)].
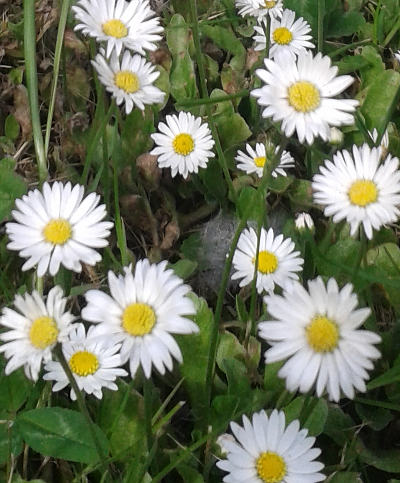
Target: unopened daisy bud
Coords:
[(223, 442), (397, 55), (384, 145), (335, 136), (304, 221)]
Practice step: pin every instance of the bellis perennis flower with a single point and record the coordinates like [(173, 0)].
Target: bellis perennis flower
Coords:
[(129, 80), (58, 226), (317, 333), (260, 9), (300, 94), (35, 327), (267, 451), (121, 24), (144, 309), (93, 359), (357, 188), (254, 161)]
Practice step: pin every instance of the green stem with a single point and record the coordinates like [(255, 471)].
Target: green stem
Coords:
[(212, 100), (321, 14), (81, 402), (121, 408), (267, 36), (204, 94), (119, 227), (148, 410), (56, 68), (32, 85), (347, 47)]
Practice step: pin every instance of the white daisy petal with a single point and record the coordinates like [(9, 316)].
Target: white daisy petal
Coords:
[(260, 9)]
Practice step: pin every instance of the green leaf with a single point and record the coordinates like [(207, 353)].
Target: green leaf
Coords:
[(389, 377), (184, 268), (14, 390), (342, 23), (60, 433), (11, 127), (9, 435), (249, 204), (345, 477), (12, 186), (315, 421), (385, 460), (232, 129), (376, 418), (226, 39), (213, 180), (351, 63), (229, 347), (300, 193)]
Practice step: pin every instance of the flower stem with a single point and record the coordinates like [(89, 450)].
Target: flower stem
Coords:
[(81, 402), (204, 95), (32, 85), (267, 36), (321, 14)]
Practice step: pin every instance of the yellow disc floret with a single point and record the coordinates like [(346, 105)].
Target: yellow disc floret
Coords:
[(138, 319), (183, 144), (83, 363), (260, 161), (303, 96), (363, 192), (270, 3), (43, 332), (271, 468), (57, 231), (282, 36), (322, 334), (115, 28), (267, 262), (127, 81)]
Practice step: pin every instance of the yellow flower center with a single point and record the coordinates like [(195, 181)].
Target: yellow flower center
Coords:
[(271, 467), (270, 3), (259, 162), (322, 334), (115, 28), (303, 96), (267, 262), (83, 363), (127, 81), (43, 332), (282, 36), (57, 231), (138, 319), (183, 144), (363, 192)]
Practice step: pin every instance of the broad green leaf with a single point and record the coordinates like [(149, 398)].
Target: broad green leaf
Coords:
[(60, 433), (12, 186), (11, 127), (249, 204), (184, 268), (375, 417), (229, 347), (226, 39), (345, 477), (385, 460), (10, 440), (315, 418), (339, 426), (232, 129), (135, 137), (14, 390), (351, 63), (344, 23)]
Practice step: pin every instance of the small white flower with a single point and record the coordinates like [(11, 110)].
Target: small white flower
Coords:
[(397, 55), (299, 93), (144, 309), (260, 9), (183, 144), (335, 136), (288, 37), (58, 226), (93, 359), (35, 328), (356, 188), (267, 451), (277, 260), (304, 221), (384, 141), (317, 332), (254, 162), (129, 80), (119, 23)]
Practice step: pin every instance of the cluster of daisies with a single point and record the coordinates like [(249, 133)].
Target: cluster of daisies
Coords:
[(132, 324)]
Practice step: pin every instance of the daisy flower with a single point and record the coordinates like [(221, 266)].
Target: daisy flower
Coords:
[(93, 359), (299, 93), (58, 226), (303, 222), (269, 451), (183, 144), (277, 262), (129, 80), (119, 23), (316, 331), (288, 37), (359, 189), (35, 328), (254, 161), (260, 9), (144, 309)]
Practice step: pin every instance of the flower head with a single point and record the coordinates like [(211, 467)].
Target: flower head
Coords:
[(144, 309), (129, 80), (35, 327), (289, 37), (183, 144), (119, 23), (317, 332), (299, 93), (277, 260), (260, 9), (268, 451), (359, 189), (304, 221), (93, 359), (58, 226), (254, 161)]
